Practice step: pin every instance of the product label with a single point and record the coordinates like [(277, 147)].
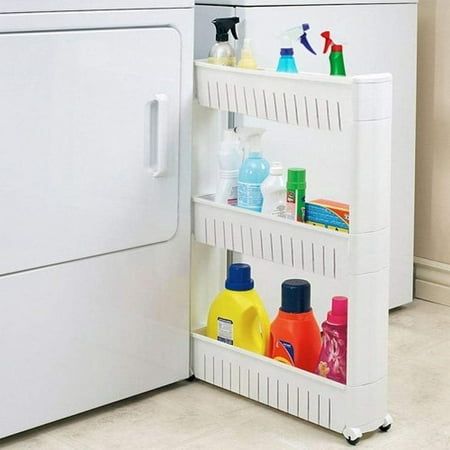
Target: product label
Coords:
[(328, 216), (301, 206), (333, 356), (232, 199), (225, 330), (280, 210), (284, 352), (291, 202), (295, 206), (250, 196)]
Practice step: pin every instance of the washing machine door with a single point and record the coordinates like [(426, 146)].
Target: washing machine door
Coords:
[(89, 139)]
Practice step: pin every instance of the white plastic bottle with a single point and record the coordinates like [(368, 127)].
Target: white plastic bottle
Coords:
[(274, 192), (230, 160)]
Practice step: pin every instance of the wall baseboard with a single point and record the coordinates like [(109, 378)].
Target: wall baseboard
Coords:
[(432, 281)]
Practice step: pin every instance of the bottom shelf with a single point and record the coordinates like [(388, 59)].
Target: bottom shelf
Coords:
[(318, 400)]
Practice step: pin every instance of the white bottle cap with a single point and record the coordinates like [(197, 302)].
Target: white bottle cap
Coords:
[(276, 168), (230, 136)]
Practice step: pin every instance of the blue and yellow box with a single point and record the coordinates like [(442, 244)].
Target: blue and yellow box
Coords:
[(328, 214)]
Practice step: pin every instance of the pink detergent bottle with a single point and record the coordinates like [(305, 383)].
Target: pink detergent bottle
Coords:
[(333, 355)]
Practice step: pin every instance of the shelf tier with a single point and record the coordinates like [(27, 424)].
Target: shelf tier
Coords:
[(281, 241), (288, 389), (306, 247), (313, 101)]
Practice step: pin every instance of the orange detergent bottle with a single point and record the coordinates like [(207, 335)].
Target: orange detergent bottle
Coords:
[(294, 334)]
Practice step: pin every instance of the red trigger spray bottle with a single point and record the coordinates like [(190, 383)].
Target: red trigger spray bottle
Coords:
[(337, 65)]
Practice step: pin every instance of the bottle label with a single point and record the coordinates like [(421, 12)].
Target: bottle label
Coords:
[(333, 356), (301, 206), (291, 205), (225, 330), (250, 196), (284, 352), (232, 199), (280, 211), (295, 205)]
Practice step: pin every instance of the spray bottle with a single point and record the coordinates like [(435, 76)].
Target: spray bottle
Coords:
[(230, 160), (254, 169), (222, 53), (337, 65), (286, 62)]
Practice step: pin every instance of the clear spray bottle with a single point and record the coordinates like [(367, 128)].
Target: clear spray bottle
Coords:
[(222, 53)]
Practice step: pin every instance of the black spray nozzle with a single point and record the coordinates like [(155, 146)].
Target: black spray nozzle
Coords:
[(223, 26)]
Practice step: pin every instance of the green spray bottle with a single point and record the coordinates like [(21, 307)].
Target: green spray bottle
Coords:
[(337, 65)]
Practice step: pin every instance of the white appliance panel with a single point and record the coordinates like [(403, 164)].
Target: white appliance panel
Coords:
[(80, 335), (84, 333), (9, 6), (82, 134), (298, 2)]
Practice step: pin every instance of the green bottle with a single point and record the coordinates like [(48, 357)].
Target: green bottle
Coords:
[(296, 195), (337, 65)]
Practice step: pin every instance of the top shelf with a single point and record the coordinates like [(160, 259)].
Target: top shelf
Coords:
[(306, 100)]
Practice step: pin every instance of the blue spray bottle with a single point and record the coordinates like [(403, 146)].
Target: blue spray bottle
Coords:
[(254, 169), (286, 62)]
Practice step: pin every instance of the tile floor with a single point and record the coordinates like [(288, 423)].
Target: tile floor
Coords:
[(198, 416)]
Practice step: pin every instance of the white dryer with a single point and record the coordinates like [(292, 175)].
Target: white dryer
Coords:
[(95, 203)]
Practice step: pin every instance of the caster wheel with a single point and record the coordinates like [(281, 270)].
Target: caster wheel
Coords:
[(353, 441), (191, 378), (386, 424), (352, 435)]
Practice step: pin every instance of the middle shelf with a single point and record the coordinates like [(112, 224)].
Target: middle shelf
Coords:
[(310, 249)]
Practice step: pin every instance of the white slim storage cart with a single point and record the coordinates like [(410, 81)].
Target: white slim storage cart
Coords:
[(357, 110)]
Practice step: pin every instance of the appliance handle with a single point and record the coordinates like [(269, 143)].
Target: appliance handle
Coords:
[(162, 135)]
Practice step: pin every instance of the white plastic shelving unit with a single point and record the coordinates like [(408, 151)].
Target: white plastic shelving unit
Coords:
[(359, 110)]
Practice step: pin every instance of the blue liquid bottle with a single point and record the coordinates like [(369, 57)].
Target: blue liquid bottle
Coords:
[(254, 170), (286, 62), (299, 34)]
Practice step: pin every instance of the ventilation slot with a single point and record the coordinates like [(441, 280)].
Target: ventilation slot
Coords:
[(339, 116), (209, 95), (218, 95)]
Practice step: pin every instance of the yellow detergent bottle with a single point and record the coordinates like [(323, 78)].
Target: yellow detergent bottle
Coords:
[(237, 315)]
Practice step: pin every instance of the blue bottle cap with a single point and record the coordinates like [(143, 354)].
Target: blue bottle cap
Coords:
[(296, 296), (239, 278), (286, 51)]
